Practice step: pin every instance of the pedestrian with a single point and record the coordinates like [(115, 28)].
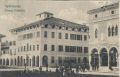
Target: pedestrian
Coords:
[(40, 68), (57, 70), (97, 67), (83, 67), (47, 67), (77, 69), (64, 72)]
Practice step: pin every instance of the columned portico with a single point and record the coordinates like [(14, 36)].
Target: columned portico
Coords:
[(106, 59)]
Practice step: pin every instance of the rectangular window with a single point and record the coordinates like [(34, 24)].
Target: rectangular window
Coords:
[(38, 34), (24, 36), (10, 43), (45, 34), (30, 35), (75, 49), (81, 49), (66, 35), (71, 36), (24, 48), (60, 36), (33, 47), (21, 48), (30, 47), (53, 34), (27, 47), (52, 59), (79, 60), (14, 42), (66, 48), (72, 48), (45, 47), (52, 47), (18, 50), (60, 48), (85, 37), (75, 37), (85, 49), (78, 37), (81, 37), (37, 47), (60, 60)]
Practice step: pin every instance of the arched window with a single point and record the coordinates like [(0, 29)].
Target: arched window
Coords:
[(45, 60), (37, 61), (116, 30), (109, 31), (96, 33), (104, 57), (33, 61), (112, 31), (113, 57)]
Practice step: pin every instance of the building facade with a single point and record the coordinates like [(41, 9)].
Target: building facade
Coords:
[(48, 42), (104, 37)]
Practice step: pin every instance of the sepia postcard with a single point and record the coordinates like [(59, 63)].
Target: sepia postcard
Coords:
[(59, 38)]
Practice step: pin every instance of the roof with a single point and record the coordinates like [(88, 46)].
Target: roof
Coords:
[(106, 7), (44, 13), (53, 21)]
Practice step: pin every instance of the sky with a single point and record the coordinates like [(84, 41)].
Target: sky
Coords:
[(15, 13)]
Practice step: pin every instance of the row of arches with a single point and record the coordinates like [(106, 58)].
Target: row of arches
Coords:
[(35, 61), (20, 61), (104, 58), (66, 60)]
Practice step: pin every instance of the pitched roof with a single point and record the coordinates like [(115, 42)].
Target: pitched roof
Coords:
[(53, 21)]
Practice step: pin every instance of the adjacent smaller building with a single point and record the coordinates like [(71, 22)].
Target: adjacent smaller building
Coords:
[(104, 36)]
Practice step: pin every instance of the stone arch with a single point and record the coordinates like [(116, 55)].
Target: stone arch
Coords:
[(7, 61), (24, 62), (21, 61), (0, 61), (85, 60), (11, 62), (79, 60), (3, 61), (33, 61), (37, 61), (18, 61), (103, 57), (15, 61), (113, 57), (45, 60), (27, 60), (30, 62), (94, 57)]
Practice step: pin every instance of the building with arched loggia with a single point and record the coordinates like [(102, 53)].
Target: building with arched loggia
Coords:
[(104, 38), (48, 42)]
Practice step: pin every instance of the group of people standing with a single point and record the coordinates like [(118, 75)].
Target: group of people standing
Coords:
[(68, 70)]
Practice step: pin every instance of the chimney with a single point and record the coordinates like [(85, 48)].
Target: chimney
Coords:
[(45, 15)]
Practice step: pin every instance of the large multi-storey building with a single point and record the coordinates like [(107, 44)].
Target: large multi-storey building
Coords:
[(104, 38), (48, 42)]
